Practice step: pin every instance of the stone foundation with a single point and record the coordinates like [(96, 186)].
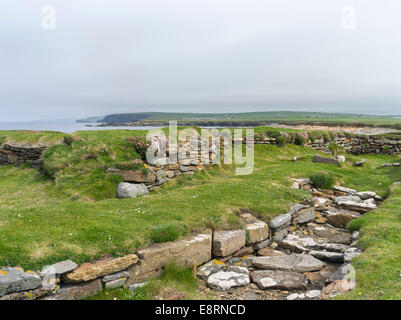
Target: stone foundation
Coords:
[(18, 155)]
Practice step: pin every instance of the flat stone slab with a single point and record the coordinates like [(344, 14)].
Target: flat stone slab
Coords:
[(320, 159), (293, 262), (352, 198), (294, 209), (228, 242), (297, 244), (90, 271), (116, 276), (282, 280), (357, 206), (344, 190), (365, 195), (328, 255), (280, 222), (223, 280), (16, 280), (277, 236), (331, 234)]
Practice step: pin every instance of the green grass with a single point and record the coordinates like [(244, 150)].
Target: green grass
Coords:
[(45, 138), (75, 215), (378, 268)]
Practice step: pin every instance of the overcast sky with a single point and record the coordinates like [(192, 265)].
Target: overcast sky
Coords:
[(110, 56)]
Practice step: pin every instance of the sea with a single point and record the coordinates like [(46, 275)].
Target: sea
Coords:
[(67, 126)]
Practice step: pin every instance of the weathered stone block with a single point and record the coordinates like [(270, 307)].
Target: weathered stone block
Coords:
[(78, 291), (194, 250), (228, 242), (15, 280), (90, 271)]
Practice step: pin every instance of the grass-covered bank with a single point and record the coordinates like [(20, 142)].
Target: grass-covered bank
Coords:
[(378, 268)]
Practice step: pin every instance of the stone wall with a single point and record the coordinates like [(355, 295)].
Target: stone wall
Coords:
[(66, 280), (17, 155), (354, 145)]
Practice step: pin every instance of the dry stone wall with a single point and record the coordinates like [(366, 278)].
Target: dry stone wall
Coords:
[(354, 145), (17, 155)]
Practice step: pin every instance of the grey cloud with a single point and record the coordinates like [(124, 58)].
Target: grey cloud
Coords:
[(191, 55)]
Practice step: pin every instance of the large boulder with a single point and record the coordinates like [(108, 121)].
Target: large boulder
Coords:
[(293, 262), (228, 242), (130, 190), (282, 280), (16, 280)]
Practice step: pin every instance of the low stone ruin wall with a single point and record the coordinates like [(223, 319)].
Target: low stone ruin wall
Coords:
[(18, 155), (66, 281), (352, 145), (308, 246)]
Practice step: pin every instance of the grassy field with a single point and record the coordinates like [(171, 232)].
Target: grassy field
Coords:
[(71, 212), (273, 116)]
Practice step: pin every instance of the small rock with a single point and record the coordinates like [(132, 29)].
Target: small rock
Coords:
[(279, 235), (351, 253), (209, 268), (116, 276), (280, 222), (313, 294), (364, 195), (270, 252), (118, 283), (136, 286), (261, 245)]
